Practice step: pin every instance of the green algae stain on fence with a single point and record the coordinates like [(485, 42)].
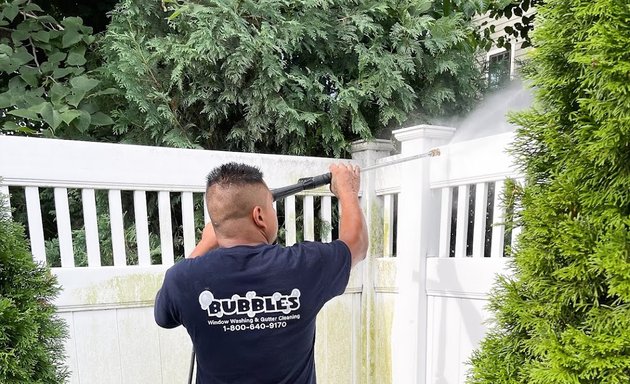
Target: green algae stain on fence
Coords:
[(377, 362), (336, 349), (376, 229), (139, 289), (381, 329)]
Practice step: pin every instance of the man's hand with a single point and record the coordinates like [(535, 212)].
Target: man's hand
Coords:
[(207, 243), (345, 184), (346, 180)]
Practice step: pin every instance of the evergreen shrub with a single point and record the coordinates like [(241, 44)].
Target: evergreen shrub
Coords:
[(564, 314), (31, 335)]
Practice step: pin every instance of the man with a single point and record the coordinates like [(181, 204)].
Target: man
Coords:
[(248, 305)]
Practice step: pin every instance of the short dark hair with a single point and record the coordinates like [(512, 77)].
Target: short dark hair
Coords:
[(234, 174)]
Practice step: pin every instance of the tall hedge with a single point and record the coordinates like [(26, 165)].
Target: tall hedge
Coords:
[(302, 77), (31, 336), (564, 315)]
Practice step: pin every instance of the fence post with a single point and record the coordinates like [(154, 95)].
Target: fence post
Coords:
[(418, 221), (366, 153)]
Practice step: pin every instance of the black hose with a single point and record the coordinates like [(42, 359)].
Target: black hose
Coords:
[(192, 367)]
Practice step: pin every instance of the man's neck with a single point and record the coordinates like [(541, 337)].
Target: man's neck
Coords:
[(229, 243)]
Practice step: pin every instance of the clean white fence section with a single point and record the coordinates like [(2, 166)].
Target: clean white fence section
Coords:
[(412, 313), (469, 177), (441, 246)]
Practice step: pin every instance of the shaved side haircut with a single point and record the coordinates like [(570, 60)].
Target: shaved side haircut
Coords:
[(232, 192), (234, 174)]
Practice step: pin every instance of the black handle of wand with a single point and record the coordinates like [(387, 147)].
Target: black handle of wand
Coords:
[(302, 185)]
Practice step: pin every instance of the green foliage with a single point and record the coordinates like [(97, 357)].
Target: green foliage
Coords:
[(45, 82), (520, 30), (298, 77), (53, 254), (31, 336), (79, 244), (564, 316)]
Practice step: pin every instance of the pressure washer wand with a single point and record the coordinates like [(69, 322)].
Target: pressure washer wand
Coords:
[(307, 183), (302, 184)]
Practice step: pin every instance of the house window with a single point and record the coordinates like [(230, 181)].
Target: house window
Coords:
[(499, 69)]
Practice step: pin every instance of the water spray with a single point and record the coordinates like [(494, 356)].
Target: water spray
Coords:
[(307, 183)]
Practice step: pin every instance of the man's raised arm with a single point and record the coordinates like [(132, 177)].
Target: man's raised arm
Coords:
[(345, 184)]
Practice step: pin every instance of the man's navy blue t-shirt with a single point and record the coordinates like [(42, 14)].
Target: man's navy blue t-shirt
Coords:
[(250, 310)]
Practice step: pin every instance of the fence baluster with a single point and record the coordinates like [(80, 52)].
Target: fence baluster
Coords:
[(90, 220), (118, 227), (309, 218), (388, 225), (326, 215), (166, 230), (289, 220), (142, 227), (479, 229), (35, 227), (446, 209), (188, 222), (497, 221), (206, 215), (64, 229), (462, 221)]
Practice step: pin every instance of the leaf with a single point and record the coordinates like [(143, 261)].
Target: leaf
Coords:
[(25, 113), (175, 14), (21, 56), (40, 108), (70, 38), (108, 91), (62, 72), (58, 92), (55, 120), (5, 100), (32, 7), (18, 35), (10, 11), (83, 83), (10, 126), (46, 113), (30, 75), (72, 22), (43, 36), (84, 120), (99, 118), (57, 57), (75, 98), (70, 115), (5, 49), (76, 56)]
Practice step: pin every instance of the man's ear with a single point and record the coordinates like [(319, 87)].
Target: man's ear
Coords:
[(258, 215)]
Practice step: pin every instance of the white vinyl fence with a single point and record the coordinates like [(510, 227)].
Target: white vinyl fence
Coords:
[(412, 313)]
